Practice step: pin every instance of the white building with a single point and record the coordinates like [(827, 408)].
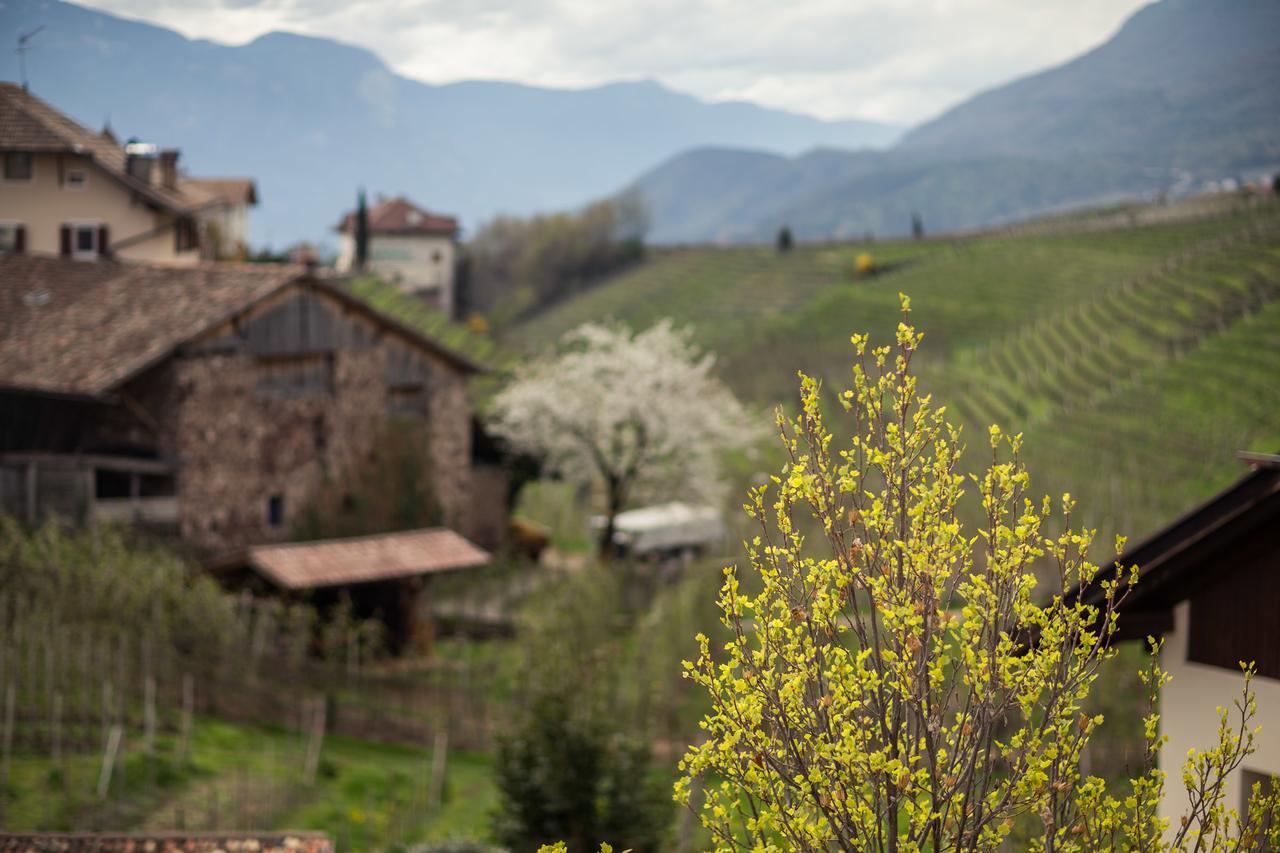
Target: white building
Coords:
[(409, 246), (1209, 583)]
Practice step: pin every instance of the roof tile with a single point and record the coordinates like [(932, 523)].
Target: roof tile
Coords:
[(387, 556)]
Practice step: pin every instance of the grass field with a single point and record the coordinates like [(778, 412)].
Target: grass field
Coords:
[(1137, 360), (365, 796)]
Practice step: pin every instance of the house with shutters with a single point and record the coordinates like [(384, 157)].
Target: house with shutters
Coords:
[(67, 190), (1209, 585), (210, 401), (409, 246)]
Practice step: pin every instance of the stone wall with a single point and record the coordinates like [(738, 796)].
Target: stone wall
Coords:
[(240, 444)]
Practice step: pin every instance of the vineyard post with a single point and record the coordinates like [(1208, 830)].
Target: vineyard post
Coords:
[(56, 726), (106, 710), (317, 740), (109, 759), (439, 756), (9, 699), (188, 703), (149, 714), (149, 728)]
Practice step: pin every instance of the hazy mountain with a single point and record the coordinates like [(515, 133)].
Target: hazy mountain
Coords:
[(1187, 83), (313, 119), (1186, 89), (737, 196)]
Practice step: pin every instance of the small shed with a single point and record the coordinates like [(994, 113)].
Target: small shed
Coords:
[(1209, 584), (382, 575)]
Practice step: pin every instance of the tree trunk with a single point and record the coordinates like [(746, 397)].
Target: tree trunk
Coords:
[(616, 498)]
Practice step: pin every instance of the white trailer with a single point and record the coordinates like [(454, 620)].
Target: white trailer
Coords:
[(665, 529)]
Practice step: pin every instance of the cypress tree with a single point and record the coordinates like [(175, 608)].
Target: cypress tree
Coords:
[(362, 232)]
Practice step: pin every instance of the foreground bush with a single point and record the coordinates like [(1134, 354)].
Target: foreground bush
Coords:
[(906, 684)]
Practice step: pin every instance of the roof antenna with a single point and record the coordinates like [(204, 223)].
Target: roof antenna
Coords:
[(24, 44)]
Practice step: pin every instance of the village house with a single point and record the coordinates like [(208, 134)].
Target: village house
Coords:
[(409, 246), (209, 400), (69, 191), (1209, 584)]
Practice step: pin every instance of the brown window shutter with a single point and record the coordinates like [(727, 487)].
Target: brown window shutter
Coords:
[(104, 241), (66, 241), (20, 239)]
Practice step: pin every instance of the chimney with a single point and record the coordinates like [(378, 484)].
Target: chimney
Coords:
[(138, 158), (169, 168)]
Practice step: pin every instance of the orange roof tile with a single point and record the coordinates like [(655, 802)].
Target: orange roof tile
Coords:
[(361, 559), (401, 216)]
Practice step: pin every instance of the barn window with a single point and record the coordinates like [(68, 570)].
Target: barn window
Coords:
[(18, 166), (10, 238), (295, 376), (84, 246), (408, 401), (275, 510), (186, 235)]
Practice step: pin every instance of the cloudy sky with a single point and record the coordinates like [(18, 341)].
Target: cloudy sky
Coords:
[(899, 61)]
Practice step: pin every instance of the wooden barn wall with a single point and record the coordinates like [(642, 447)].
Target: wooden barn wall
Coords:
[(1237, 618)]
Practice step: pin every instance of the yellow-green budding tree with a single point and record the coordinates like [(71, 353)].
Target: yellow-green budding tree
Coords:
[(908, 684)]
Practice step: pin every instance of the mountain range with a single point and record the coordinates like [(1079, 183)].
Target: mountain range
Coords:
[(313, 119), (1186, 91)]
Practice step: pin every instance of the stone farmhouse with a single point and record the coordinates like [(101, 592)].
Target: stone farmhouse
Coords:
[(210, 400), (1209, 584), (409, 246), (70, 191)]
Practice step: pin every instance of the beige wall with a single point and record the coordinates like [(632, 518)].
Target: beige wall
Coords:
[(231, 223), (43, 205), (1190, 720), (416, 263)]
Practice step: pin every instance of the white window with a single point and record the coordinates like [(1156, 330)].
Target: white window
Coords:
[(77, 179), (18, 166), (84, 242), (9, 240)]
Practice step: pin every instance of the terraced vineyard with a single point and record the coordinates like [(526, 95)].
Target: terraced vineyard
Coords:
[(1137, 360)]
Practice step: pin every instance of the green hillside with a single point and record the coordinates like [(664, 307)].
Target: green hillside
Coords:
[(1136, 359)]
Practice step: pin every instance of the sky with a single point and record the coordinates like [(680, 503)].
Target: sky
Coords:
[(897, 61)]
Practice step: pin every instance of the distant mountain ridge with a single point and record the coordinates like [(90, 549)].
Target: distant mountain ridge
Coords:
[(313, 119), (1176, 77), (1186, 90)]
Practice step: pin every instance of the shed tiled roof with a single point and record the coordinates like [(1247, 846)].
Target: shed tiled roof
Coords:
[(230, 190), (338, 562), (81, 328), (401, 216), (29, 124), (164, 842)]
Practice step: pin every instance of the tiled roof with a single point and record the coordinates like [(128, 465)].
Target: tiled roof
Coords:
[(29, 124), (81, 328), (165, 842), (231, 190), (338, 562), (401, 216)]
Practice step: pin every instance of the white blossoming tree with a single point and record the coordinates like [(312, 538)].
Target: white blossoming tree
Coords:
[(636, 416)]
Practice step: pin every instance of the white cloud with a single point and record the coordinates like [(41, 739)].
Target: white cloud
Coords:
[(895, 60)]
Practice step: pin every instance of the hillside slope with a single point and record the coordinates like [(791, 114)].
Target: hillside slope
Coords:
[(313, 119), (1110, 348)]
